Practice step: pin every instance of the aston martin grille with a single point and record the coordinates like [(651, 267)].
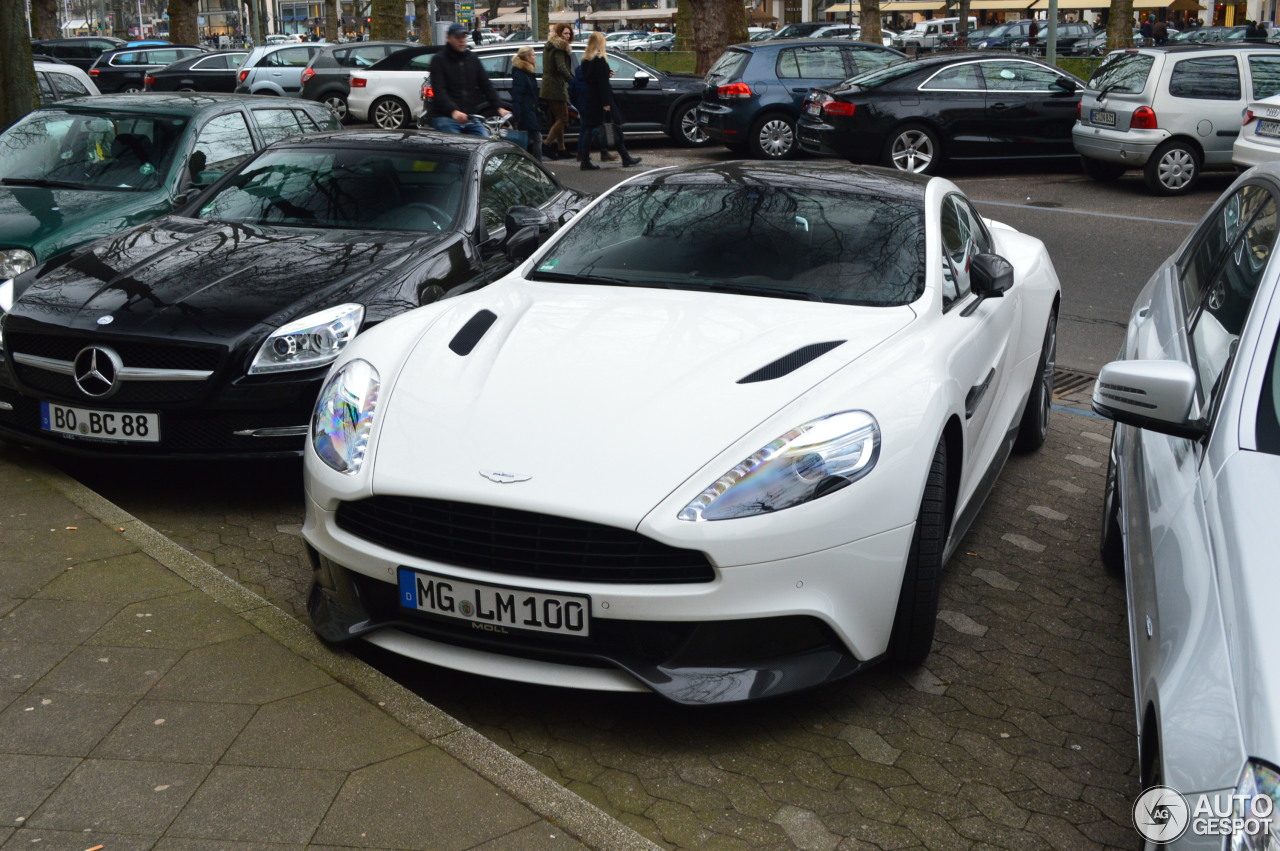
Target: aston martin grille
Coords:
[(518, 543)]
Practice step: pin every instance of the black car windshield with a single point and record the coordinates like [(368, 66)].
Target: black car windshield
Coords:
[(820, 245), (343, 188), (67, 149)]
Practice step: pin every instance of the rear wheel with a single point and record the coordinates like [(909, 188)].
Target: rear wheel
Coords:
[(773, 137), (917, 614), (337, 104), (130, 88), (389, 113), (1104, 172), (1034, 427), (913, 148), (187, 89), (685, 129), (1173, 169)]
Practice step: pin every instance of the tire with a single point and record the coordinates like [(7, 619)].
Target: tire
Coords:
[(389, 113), (188, 89), (1173, 169), (130, 88), (913, 148), (917, 614), (1111, 541), (1103, 172), (685, 129), (337, 103), (1034, 427), (773, 137)]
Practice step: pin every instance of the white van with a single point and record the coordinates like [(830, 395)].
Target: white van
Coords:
[(932, 34)]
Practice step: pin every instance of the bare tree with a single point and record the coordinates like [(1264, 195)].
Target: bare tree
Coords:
[(1120, 24), (716, 25), (962, 26), (183, 28), (331, 21), (44, 18), (869, 20), (17, 74), (422, 19), (388, 20)]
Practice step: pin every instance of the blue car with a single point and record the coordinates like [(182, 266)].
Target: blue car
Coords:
[(753, 95)]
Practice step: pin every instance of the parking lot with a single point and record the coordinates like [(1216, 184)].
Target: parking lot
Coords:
[(1018, 731)]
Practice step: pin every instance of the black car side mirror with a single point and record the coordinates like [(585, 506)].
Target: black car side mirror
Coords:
[(642, 79), (522, 243), (990, 275), (519, 217), (1066, 84)]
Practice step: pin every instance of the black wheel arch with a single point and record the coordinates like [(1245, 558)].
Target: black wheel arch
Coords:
[(953, 434)]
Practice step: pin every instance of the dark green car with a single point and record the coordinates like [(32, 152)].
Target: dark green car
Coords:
[(82, 169)]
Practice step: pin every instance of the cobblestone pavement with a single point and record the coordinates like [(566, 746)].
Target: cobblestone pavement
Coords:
[(1017, 733)]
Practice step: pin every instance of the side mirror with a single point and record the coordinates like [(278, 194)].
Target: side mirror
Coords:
[(1066, 84), (642, 79), (1150, 394), (566, 217), (518, 218), (190, 195), (522, 243), (990, 275)]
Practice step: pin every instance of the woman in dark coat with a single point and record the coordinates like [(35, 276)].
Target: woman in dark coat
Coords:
[(556, 74), (524, 98), (601, 108)]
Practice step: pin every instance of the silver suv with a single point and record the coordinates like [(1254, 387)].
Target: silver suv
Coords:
[(1171, 111), (276, 69)]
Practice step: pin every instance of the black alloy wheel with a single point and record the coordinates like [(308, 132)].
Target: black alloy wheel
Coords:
[(685, 129), (917, 614), (337, 104), (1111, 541), (1034, 427)]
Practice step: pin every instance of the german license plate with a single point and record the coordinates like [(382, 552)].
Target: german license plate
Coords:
[(1269, 128), (1102, 116), (117, 426), (495, 607), (703, 118), (813, 108)]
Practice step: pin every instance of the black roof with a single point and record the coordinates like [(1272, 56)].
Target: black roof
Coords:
[(829, 176), (421, 140)]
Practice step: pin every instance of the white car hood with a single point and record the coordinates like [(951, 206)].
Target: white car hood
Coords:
[(607, 398)]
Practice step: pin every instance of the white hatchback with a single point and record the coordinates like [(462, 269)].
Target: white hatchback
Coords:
[(389, 93), (1259, 139)]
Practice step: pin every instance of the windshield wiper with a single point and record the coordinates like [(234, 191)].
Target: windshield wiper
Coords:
[(746, 289), (569, 278), (45, 183)]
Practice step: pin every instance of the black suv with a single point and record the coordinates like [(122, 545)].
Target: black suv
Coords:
[(1007, 35), (327, 77), (125, 69), (1068, 35), (79, 52)]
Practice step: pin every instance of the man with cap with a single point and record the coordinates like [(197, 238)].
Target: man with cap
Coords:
[(459, 86)]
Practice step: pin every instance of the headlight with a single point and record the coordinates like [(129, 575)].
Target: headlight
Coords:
[(1254, 812), (808, 462), (343, 416), (311, 341), (15, 261)]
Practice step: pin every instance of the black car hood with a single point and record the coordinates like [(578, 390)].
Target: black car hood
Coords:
[(213, 280), (44, 220)]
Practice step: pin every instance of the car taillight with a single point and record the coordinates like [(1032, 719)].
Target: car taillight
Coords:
[(93, 72), (835, 107), (244, 75), (734, 90), (308, 74), (1246, 117), (1078, 112), (148, 80), (359, 82), (427, 93), (1144, 118)]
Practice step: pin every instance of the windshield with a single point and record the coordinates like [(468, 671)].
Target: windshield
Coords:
[(999, 31), (761, 240), (343, 188), (65, 149), (800, 30), (1122, 72)]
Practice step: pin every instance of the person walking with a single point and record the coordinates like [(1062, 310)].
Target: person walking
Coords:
[(1160, 32), (524, 98), (556, 74), (601, 108), (461, 87)]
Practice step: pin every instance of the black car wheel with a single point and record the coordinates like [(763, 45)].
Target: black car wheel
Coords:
[(917, 614), (1034, 427), (913, 148), (685, 129), (1111, 542), (773, 137), (337, 104), (130, 88), (1173, 169), (187, 89), (389, 113), (1101, 171)]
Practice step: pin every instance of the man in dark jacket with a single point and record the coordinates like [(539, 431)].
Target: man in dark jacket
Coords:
[(460, 87)]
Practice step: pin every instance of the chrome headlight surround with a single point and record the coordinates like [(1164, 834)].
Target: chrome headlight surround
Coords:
[(309, 342), (6, 305), (15, 261), (343, 417), (1255, 821), (810, 461)]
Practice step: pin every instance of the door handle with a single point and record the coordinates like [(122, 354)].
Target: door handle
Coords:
[(999, 106), (801, 91)]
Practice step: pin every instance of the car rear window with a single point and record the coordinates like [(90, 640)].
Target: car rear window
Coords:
[(1264, 71), (1123, 72), (729, 65), (880, 76), (1206, 78)]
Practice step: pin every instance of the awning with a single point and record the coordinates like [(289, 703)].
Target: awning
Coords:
[(523, 18), (844, 9), (912, 6), (631, 15), (78, 24), (1175, 5), (990, 5), (1077, 5)]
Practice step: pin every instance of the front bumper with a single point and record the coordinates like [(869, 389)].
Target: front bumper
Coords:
[(1131, 148), (756, 630)]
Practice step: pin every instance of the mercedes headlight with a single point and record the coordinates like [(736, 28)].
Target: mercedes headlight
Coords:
[(1254, 818), (311, 341), (343, 418), (15, 261), (808, 462)]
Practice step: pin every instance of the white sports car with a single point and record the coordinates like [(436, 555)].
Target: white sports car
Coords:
[(715, 439)]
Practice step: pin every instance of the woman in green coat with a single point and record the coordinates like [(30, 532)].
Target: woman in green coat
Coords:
[(556, 74)]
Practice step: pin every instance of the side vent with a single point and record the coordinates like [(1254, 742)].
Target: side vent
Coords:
[(469, 335), (790, 363)]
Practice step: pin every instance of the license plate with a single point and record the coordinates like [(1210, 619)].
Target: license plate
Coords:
[(116, 426), (813, 108), (1269, 128), (703, 118), (495, 608), (1102, 116)]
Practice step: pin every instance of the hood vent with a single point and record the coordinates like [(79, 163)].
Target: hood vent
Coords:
[(788, 363), (469, 335)]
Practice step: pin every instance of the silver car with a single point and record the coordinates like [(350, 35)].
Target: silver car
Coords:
[(276, 69), (1192, 491), (1171, 111)]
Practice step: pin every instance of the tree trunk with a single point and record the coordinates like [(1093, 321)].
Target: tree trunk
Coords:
[(544, 20), (716, 25), (119, 26), (685, 42), (869, 20), (182, 22), (962, 26), (422, 19), (17, 74), (44, 18), (1120, 27), (332, 21), (388, 20)]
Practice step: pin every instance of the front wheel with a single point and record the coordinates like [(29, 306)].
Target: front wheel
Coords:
[(337, 104), (1034, 427), (917, 614), (1173, 169), (913, 148), (685, 129), (130, 88), (389, 113), (1111, 542), (773, 137)]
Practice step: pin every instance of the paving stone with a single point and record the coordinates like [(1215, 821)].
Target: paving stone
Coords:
[(55, 621), (108, 670), (542, 836), (59, 724), (260, 804), (253, 669), (77, 840), (182, 621), (179, 844), (870, 745), (175, 730), (120, 796), (805, 830), (121, 579), (26, 781)]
